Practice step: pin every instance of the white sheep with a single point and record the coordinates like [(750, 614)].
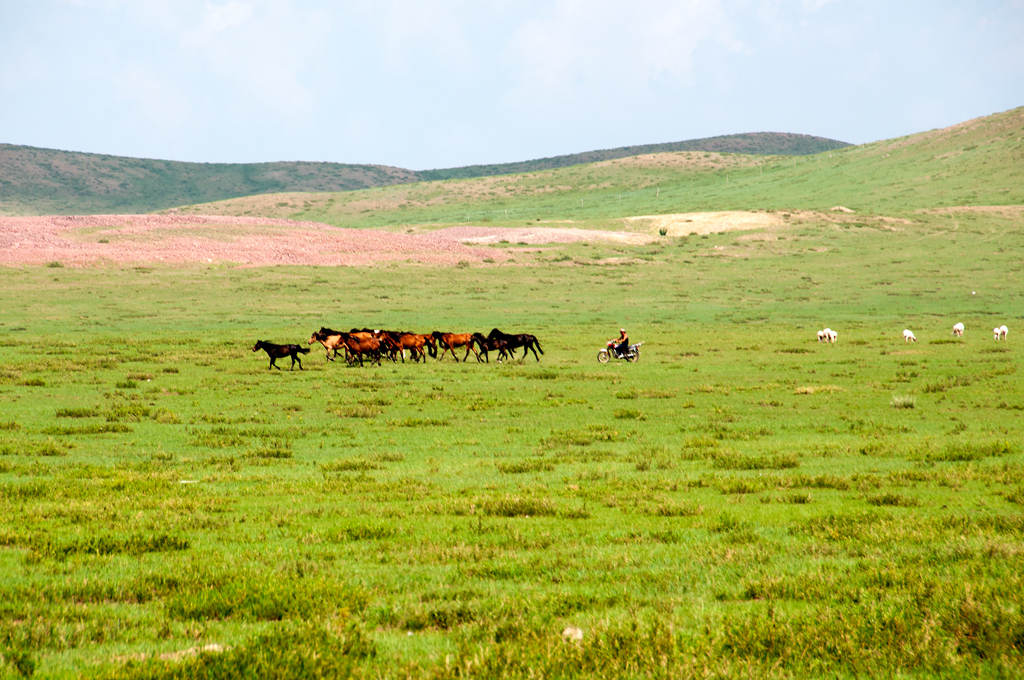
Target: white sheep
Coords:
[(821, 336), (908, 335), (1003, 330), (831, 335), (958, 330), (997, 332)]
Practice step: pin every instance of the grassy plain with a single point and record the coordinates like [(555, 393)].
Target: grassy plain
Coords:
[(743, 501)]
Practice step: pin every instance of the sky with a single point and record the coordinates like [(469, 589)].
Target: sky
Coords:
[(425, 84)]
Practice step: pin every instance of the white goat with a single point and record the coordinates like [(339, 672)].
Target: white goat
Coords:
[(908, 336), (958, 330)]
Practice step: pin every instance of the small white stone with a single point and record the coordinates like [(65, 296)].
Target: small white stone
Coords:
[(572, 633)]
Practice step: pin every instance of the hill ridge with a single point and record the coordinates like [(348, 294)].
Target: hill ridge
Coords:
[(38, 181), (750, 143)]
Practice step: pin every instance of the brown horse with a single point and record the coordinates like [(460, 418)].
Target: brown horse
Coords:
[(413, 342), (357, 347), (331, 340), (276, 352), (449, 341)]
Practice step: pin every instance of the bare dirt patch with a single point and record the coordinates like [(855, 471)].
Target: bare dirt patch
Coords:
[(1010, 211), (96, 240), (681, 224)]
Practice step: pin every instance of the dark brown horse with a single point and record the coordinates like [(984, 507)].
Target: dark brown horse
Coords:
[(449, 341), (276, 352), (485, 345), (525, 340)]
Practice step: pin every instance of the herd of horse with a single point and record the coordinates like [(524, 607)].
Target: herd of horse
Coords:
[(360, 343)]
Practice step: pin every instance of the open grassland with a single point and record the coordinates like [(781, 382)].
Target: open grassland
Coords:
[(743, 501), (979, 162)]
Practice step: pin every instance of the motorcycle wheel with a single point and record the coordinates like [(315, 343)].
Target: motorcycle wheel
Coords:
[(633, 357), (603, 356)]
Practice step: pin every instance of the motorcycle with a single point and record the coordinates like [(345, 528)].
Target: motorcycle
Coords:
[(632, 354)]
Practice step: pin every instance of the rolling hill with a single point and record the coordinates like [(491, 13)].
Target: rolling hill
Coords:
[(978, 162), (46, 181)]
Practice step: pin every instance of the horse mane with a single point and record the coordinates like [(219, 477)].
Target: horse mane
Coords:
[(328, 331)]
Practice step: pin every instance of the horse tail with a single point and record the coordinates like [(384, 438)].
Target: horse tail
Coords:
[(305, 350), (537, 343)]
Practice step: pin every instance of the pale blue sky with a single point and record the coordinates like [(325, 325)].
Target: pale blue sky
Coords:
[(443, 83)]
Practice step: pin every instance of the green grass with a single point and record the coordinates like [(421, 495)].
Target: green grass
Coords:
[(743, 499)]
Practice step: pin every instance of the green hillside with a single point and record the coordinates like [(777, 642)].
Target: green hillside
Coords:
[(762, 143), (46, 181), (979, 162)]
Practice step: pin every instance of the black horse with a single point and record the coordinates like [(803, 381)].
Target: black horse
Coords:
[(276, 352), (485, 345), (525, 340)]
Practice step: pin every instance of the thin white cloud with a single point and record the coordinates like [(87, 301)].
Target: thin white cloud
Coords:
[(159, 103), (411, 31), (215, 20), (259, 52), (814, 5), (581, 47)]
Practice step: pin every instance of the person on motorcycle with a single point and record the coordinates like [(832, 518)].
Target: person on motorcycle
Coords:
[(623, 341)]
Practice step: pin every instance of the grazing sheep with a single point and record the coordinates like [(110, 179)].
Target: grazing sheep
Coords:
[(997, 332), (821, 336), (958, 330), (1003, 330), (831, 335), (908, 336)]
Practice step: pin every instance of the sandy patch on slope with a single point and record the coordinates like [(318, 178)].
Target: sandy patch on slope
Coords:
[(178, 239), (681, 224)]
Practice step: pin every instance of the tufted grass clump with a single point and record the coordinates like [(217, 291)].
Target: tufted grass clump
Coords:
[(902, 401), (518, 506)]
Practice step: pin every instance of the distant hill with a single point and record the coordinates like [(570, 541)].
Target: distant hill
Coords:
[(757, 143), (46, 181), (979, 162)]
